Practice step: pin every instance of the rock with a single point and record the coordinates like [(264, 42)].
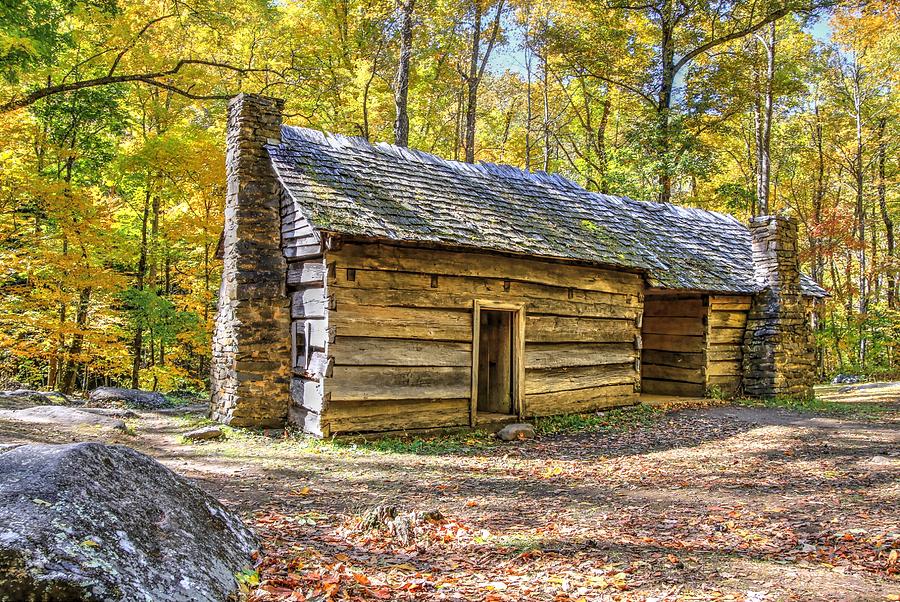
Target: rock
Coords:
[(513, 432), (24, 398), (95, 522), (207, 432), (131, 398), (845, 379), (121, 413), (880, 461), (193, 408), (63, 416)]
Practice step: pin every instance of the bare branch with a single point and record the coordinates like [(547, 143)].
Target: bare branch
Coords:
[(734, 35), (495, 29), (147, 78), (130, 45), (634, 90)]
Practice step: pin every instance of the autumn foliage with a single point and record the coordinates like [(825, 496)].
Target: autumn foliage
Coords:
[(111, 121)]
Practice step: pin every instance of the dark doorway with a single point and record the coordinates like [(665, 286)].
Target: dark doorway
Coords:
[(495, 362)]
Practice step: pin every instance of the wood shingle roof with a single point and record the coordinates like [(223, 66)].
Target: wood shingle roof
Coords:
[(349, 186)]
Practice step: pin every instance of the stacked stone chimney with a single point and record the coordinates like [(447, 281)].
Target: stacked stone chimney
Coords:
[(251, 344), (779, 349)]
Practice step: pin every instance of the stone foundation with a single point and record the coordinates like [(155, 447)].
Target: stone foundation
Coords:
[(251, 355), (779, 347)]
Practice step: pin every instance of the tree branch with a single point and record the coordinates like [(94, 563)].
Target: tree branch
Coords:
[(495, 29), (773, 16), (646, 97), (130, 45), (147, 78)]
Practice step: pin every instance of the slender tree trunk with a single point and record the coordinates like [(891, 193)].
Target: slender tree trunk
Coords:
[(401, 87), (602, 158), (546, 123), (68, 380), (528, 108), (861, 216), (477, 65), (664, 104), (458, 126), (834, 323), (818, 197), (472, 87), (367, 90), (885, 216), (137, 341), (764, 126), (153, 245), (818, 265)]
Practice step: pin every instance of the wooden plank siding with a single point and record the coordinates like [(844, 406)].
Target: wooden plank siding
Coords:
[(673, 359), (725, 340), (400, 334)]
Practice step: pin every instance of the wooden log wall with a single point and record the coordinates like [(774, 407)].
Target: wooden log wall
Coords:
[(725, 341), (673, 360), (399, 335), (306, 280)]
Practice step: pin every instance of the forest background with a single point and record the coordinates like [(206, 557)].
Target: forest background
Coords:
[(112, 143)]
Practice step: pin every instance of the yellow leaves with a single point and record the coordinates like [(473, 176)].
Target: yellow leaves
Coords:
[(10, 43), (551, 471)]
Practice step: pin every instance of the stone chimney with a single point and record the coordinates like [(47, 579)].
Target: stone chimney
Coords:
[(251, 356), (779, 349)]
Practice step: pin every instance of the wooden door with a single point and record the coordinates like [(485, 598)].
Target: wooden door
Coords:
[(495, 362)]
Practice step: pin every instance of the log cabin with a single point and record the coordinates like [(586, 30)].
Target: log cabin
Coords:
[(373, 288)]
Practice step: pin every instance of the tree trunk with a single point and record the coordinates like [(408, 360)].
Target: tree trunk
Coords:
[(764, 126), (602, 158), (137, 341), (885, 216), (546, 99), (528, 109), (472, 87), (477, 65), (818, 267), (67, 386), (664, 104), (861, 217), (818, 262), (401, 87)]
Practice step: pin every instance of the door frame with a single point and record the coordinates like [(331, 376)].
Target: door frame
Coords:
[(518, 349)]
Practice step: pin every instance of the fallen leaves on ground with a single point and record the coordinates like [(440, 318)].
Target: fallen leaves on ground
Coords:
[(656, 513)]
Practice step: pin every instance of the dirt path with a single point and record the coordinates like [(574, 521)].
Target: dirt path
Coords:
[(725, 503)]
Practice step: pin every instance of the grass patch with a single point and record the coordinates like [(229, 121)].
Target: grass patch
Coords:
[(613, 419), (193, 421), (817, 405), (465, 442), (519, 543)]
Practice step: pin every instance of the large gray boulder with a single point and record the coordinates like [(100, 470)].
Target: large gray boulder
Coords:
[(131, 398), (94, 522), (64, 416)]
